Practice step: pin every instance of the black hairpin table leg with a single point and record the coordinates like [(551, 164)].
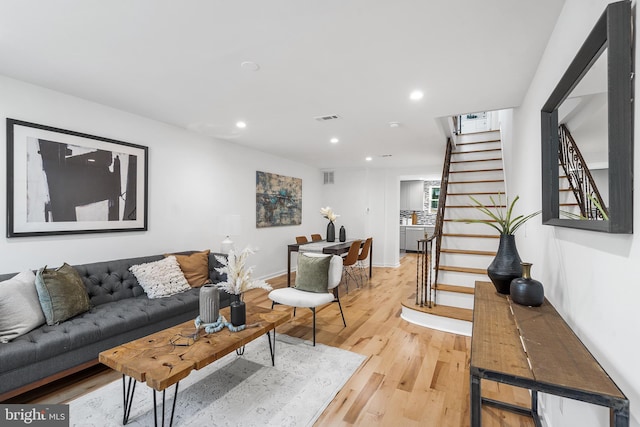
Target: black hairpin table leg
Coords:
[(155, 408)]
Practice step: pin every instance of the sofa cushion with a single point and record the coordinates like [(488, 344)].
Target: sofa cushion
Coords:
[(161, 278), (195, 267), (20, 310), (62, 293)]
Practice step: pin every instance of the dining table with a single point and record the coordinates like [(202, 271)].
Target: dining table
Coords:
[(322, 246)]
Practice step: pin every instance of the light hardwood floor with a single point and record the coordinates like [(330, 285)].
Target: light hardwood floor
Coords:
[(412, 375)]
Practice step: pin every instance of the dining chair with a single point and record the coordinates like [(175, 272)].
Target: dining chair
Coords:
[(364, 254), (301, 240), (308, 292), (316, 237), (350, 264)]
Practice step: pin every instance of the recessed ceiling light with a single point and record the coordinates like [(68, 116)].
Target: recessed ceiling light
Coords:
[(249, 66), (334, 140), (394, 124), (241, 125), (416, 95), (368, 159)]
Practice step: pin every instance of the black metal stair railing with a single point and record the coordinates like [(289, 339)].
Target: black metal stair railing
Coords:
[(442, 202), (580, 181)]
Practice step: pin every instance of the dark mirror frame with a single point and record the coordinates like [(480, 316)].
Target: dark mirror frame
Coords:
[(613, 31)]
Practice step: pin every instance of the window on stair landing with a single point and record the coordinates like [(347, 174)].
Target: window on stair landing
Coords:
[(474, 122)]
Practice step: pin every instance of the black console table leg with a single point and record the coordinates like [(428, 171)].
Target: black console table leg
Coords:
[(476, 402)]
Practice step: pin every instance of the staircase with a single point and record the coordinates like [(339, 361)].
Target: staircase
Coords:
[(476, 170)]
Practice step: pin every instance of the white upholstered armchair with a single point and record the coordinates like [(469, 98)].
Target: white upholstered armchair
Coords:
[(317, 280)]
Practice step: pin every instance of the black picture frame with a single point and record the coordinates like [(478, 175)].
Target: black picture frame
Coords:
[(65, 182), (613, 31)]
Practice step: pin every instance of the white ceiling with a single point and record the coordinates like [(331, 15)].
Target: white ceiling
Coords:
[(179, 62)]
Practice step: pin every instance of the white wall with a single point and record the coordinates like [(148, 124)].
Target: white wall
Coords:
[(590, 277), (192, 181)]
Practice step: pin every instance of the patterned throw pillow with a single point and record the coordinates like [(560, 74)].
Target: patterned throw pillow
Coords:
[(62, 293), (313, 273), (161, 278)]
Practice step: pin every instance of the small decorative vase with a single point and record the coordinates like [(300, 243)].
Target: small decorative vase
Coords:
[(506, 265), (343, 234), (238, 311), (525, 290), (331, 232), (209, 303)]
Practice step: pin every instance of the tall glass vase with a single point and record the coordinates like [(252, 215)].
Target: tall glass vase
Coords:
[(331, 232), (506, 265)]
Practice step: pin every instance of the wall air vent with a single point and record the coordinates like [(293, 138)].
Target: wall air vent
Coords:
[(328, 177), (328, 117)]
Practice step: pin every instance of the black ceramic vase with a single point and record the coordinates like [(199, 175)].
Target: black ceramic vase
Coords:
[(331, 232), (506, 265), (525, 290), (238, 311), (343, 234)]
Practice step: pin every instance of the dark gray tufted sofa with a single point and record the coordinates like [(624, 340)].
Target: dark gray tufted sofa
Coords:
[(120, 312)]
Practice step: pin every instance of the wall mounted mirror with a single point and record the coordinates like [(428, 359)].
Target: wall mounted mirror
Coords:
[(587, 132)]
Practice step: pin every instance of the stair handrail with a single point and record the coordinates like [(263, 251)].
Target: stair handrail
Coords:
[(581, 182), (442, 202)]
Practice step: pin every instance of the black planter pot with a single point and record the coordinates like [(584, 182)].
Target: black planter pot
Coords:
[(238, 311), (506, 265), (331, 232), (525, 290)]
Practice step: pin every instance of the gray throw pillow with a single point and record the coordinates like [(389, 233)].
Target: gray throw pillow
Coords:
[(61, 292), (20, 310), (313, 273)]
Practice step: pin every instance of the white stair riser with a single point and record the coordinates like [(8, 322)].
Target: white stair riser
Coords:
[(477, 154), (464, 260), (490, 164), (455, 299), (460, 279), (440, 323), (472, 244)]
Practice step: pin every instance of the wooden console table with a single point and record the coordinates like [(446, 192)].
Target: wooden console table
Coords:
[(534, 348)]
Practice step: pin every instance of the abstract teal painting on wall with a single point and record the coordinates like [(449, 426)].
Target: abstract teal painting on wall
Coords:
[(278, 200)]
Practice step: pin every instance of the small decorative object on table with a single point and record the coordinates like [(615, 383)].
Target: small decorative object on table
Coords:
[(209, 303), (506, 265), (343, 234), (331, 228), (238, 281), (525, 290)]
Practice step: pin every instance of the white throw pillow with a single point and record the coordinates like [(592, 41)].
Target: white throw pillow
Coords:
[(20, 310), (161, 278)]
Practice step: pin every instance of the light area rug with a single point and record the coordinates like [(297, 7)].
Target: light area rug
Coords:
[(236, 390)]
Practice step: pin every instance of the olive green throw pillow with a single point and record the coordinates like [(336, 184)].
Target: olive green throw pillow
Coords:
[(313, 273), (61, 293)]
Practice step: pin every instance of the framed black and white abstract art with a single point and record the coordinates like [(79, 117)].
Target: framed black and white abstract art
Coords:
[(65, 182)]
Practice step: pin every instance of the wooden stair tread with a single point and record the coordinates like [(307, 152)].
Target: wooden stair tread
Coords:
[(455, 288), (475, 193), (477, 151), (484, 236), (486, 141), (471, 206), (476, 182), (478, 170), (456, 269), (443, 311), (468, 252), (492, 159)]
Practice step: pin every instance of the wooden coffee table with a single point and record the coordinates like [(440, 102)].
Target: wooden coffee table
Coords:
[(155, 360)]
